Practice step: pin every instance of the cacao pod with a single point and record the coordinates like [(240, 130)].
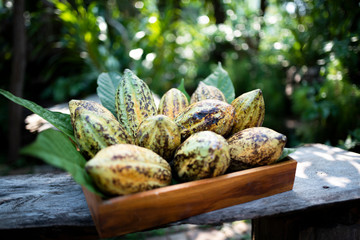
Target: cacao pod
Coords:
[(254, 147), (249, 110), (124, 169), (133, 102), (212, 115), (172, 103), (160, 134), (95, 127), (203, 155), (204, 91)]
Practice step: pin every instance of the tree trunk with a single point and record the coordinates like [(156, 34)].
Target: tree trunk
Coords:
[(17, 79), (219, 12)]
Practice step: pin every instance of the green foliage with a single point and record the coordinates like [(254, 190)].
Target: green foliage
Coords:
[(303, 55), (106, 90), (54, 148), (286, 152), (352, 141), (83, 32), (60, 120), (181, 87), (323, 49), (322, 108), (220, 79)]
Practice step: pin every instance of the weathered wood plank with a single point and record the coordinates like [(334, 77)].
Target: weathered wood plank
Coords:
[(42, 200), (325, 175)]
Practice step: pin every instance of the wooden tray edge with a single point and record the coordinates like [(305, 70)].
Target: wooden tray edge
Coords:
[(97, 205)]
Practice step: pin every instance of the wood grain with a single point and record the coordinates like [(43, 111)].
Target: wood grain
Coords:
[(125, 214)]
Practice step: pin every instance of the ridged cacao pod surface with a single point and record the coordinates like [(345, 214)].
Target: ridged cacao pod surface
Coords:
[(203, 155), (172, 103), (160, 134), (254, 147), (204, 91), (133, 102), (206, 115), (249, 110), (95, 127), (124, 169)]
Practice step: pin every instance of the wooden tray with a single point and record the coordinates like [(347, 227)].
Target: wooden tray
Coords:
[(153, 208)]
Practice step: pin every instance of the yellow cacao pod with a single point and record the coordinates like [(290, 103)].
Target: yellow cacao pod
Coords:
[(212, 115), (172, 103), (95, 127), (124, 169), (160, 134), (254, 147), (249, 110), (204, 91), (203, 155), (133, 102)]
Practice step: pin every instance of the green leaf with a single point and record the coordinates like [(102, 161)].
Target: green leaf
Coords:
[(286, 152), (106, 90), (60, 120), (181, 87), (54, 148), (220, 79)]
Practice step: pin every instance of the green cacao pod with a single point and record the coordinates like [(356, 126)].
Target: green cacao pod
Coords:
[(124, 169), (172, 103), (204, 91), (254, 147), (249, 110), (133, 102), (212, 115), (203, 155), (95, 127), (160, 134)]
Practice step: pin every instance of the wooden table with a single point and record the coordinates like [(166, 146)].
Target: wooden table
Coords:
[(324, 203)]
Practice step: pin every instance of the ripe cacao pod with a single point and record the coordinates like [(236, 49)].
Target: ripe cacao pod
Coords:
[(160, 134), (204, 91), (95, 127), (254, 147), (133, 102), (212, 115), (249, 110), (203, 155), (124, 169), (172, 103)]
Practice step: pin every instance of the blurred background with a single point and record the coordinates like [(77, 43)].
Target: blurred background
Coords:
[(303, 54)]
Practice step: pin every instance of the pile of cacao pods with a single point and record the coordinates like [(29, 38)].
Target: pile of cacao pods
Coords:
[(145, 146)]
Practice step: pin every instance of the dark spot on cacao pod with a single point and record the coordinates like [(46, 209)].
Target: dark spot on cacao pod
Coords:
[(130, 107), (265, 159), (281, 138), (161, 174), (115, 181), (89, 106), (117, 157), (143, 171), (93, 148), (213, 164)]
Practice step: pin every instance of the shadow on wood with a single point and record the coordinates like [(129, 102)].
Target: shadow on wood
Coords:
[(330, 222)]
